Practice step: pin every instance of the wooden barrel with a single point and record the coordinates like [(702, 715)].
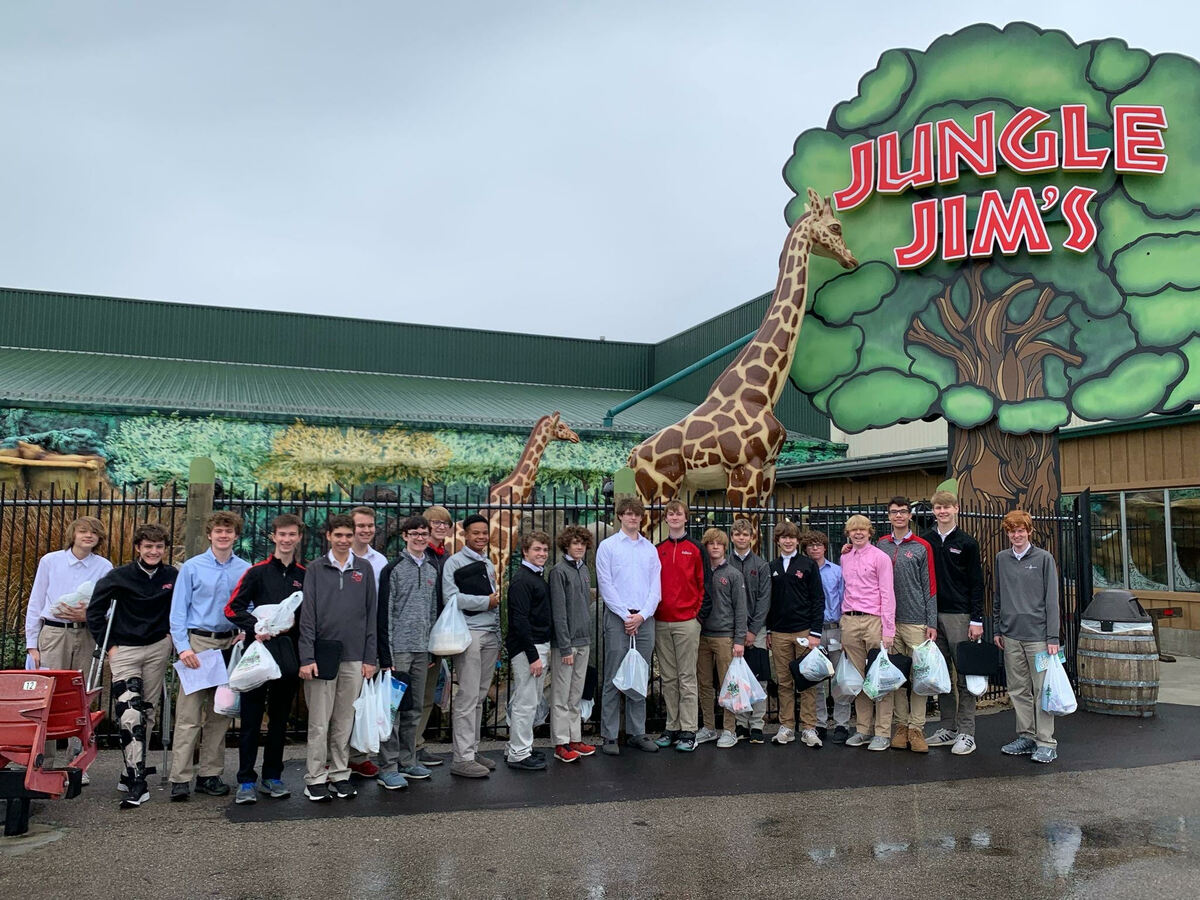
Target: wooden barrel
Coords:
[(1118, 673)]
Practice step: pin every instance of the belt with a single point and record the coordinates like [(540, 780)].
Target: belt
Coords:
[(54, 624), (211, 634), (831, 623), (855, 612)]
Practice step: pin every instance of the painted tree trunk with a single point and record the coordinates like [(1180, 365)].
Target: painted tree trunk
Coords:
[(997, 471)]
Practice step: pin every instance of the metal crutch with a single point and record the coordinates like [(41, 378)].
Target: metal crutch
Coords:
[(97, 670), (167, 732)]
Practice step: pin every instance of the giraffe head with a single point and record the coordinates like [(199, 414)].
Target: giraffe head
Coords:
[(826, 231), (562, 431)]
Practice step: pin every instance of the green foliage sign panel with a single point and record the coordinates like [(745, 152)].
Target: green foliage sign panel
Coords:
[(1027, 213)]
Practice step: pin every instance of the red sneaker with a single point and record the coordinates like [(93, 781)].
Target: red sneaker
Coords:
[(582, 749), (364, 769), (564, 753)]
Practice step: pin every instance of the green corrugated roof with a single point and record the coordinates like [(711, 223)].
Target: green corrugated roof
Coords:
[(69, 379)]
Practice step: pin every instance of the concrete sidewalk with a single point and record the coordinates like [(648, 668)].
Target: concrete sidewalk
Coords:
[(1179, 682)]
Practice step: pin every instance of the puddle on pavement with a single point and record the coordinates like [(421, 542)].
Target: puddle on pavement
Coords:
[(1066, 846)]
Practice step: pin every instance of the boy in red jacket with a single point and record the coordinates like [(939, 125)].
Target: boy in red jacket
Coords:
[(677, 628)]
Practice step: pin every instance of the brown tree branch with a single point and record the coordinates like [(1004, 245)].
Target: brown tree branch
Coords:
[(921, 334)]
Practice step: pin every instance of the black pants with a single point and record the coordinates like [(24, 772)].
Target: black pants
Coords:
[(275, 698)]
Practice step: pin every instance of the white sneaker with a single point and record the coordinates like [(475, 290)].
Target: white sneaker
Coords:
[(810, 738), (784, 735), (728, 739), (706, 734), (964, 745), (943, 737), (85, 780), (879, 743)]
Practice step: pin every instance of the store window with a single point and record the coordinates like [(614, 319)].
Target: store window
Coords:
[(1107, 554), (1185, 538), (1146, 537)]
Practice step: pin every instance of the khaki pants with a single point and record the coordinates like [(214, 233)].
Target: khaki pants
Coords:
[(785, 647), (149, 663), (526, 692), (431, 677), (676, 644), (861, 635), (330, 721), (566, 693), (475, 667), (909, 707), (1024, 689), (65, 648), (196, 723), (714, 651)]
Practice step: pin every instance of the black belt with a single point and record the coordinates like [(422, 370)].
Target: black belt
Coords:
[(54, 624), (855, 612), (211, 634)]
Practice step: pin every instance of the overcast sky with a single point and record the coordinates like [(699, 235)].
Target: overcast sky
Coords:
[(608, 168)]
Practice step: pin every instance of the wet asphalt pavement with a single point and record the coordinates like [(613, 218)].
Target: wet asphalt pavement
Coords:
[(1125, 823)]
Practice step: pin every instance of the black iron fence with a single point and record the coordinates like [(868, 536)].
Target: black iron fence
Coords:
[(31, 525)]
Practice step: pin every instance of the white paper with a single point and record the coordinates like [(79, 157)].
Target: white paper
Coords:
[(210, 674)]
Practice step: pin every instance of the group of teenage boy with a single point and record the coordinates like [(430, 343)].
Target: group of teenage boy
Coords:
[(697, 605)]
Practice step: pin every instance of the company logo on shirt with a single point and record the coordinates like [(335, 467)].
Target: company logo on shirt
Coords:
[(356, 577), (908, 554), (296, 584), (167, 587), (800, 573), (723, 581), (955, 550)]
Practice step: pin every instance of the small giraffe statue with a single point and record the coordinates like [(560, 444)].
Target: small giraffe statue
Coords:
[(516, 489), (732, 439)]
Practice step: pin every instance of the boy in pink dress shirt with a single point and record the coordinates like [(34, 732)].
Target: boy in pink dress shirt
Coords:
[(868, 619)]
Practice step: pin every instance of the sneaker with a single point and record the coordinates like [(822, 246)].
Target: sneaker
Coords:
[(822, 731), (427, 759), (469, 768), (841, 734), (564, 753), (273, 788), (643, 742), (726, 740), (900, 737), (784, 735), (344, 790), (879, 743), (611, 748), (810, 738), (742, 732), (137, 793), (943, 737), (245, 794), (392, 781), (84, 779), (489, 764), (415, 772), (582, 749), (916, 740), (706, 734), (666, 739), (686, 742), (123, 784), (364, 769), (1022, 746), (528, 764), (211, 785), (757, 736), (858, 739), (963, 745), (318, 793), (1044, 755), (180, 791)]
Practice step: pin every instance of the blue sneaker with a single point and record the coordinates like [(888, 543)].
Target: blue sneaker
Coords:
[(1022, 746), (245, 793), (274, 788), (393, 781), (415, 772), (1045, 755)]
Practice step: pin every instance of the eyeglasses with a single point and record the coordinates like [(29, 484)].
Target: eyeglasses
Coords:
[(416, 534), (439, 524), (899, 512)]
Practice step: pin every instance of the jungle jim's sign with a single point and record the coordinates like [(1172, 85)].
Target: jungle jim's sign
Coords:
[(1022, 145)]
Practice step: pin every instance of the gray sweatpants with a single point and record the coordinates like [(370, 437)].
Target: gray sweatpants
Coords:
[(616, 645)]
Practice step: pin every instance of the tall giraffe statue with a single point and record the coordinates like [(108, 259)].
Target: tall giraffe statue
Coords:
[(732, 439), (516, 489)]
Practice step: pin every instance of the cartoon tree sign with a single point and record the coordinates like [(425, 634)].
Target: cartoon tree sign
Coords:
[(1027, 214)]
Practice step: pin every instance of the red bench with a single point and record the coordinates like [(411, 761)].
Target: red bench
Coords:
[(36, 707)]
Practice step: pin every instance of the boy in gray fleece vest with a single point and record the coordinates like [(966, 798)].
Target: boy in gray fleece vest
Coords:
[(722, 632), (1025, 621)]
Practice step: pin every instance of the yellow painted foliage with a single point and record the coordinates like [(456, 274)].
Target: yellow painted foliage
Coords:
[(319, 456)]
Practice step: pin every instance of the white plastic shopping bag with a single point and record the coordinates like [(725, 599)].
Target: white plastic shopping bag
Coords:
[(227, 701), (633, 675), (740, 690), (977, 684), (1058, 698), (364, 736), (276, 618), (930, 675), (883, 677), (256, 667), (384, 717), (816, 665), (847, 681), (449, 635)]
